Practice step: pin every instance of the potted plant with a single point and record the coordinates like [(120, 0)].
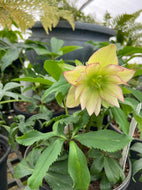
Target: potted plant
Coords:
[(83, 32), (86, 28), (5, 96), (43, 77), (81, 149), (120, 118)]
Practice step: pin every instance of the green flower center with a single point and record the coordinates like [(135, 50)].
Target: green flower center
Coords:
[(97, 82)]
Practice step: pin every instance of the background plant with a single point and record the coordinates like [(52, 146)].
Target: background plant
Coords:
[(128, 30), (23, 14)]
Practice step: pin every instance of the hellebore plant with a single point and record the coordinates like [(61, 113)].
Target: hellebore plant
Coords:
[(78, 151), (97, 83)]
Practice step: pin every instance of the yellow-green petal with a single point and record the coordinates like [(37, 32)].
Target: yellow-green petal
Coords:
[(79, 90), (71, 102), (110, 99), (105, 56), (115, 91), (126, 74), (114, 79), (92, 69), (94, 104), (85, 95), (73, 75), (112, 69)]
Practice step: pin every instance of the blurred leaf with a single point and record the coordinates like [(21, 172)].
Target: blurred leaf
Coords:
[(77, 167)]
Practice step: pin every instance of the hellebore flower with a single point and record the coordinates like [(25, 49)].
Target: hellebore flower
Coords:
[(98, 82)]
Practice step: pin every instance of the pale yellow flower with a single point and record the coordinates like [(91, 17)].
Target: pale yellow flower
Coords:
[(97, 83)]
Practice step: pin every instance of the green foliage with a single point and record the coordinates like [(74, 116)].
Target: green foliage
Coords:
[(47, 157), (65, 139), (22, 14), (80, 146), (77, 13), (7, 90), (77, 167), (128, 30), (137, 164), (106, 140)]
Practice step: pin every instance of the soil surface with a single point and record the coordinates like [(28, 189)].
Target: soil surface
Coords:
[(52, 106)]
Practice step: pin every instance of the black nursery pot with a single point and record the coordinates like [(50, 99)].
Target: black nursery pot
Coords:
[(134, 185), (3, 163), (83, 32), (37, 126)]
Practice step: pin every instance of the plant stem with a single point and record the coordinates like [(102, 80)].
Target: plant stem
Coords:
[(89, 124), (8, 101), (132, 128), (66, 110)]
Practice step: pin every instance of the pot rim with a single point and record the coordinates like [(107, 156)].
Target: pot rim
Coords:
[(81, 26), (4, 142), (125, 183)]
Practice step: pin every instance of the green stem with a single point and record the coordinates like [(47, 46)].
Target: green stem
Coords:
[(69, 131), (66, 110), (89, 124), (8, 101)]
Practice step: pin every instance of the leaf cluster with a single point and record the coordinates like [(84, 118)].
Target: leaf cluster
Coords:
[(128, 30), (66, 138), (23, 14)]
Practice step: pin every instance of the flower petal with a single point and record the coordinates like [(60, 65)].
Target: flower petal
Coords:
[(94, 104), (111, 69), (114, 79), (110, 99), (85, 95), (92, 69), (126, 74), (115, 91), (79, 90), (71, 102), (105, 56), (73, 75)]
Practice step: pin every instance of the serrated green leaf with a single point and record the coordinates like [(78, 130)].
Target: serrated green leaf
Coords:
[(10, 56), (133, 103), (12, 95), (138, 119), (136, 93), (58, 172), (106, 140), (113, 170), (77, 167), (62, 181), (22, 169), (48, 156), (11, 85), (137, 147), (97, 165), (105, 184), (121, 119), (60, 86), (27, 139), (137, 166)]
